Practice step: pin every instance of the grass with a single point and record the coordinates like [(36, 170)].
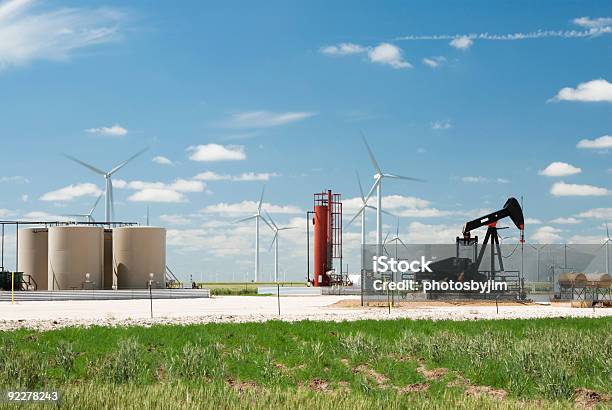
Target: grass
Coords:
[(365, 364), (240, 289)]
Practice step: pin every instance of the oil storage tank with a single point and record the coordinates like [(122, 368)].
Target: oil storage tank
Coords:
[(32, 255), (74, 252), (137, 252)]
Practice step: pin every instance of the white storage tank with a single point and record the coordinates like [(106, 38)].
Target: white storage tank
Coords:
[(75, 251), (32, 255), (137, 252)]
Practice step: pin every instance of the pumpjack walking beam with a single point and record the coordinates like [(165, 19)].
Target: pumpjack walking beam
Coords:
[(511, 209)]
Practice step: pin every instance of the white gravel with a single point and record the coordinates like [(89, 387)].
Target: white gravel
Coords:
[(237, 309)]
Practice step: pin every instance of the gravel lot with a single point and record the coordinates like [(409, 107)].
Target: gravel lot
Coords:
[(49, 315)]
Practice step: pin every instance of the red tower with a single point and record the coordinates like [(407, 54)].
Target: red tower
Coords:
[(327, 221)]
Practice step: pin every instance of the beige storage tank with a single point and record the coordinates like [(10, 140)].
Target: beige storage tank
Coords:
[(137, 252), (75, 251), (573, 279), (32, 255), (599, 280)]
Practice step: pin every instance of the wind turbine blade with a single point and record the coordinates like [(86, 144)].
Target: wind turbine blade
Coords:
[(266, 221), (85, 164), (261, 198), (356, 215), (271, 220), (402, 242), (386, 237), (273, 239), (372, 159), (286, 228), (360, 187), (397, 228), (96, 204), (124, 163), (372, 189), (607, 232), (248, 218), (394, 176), (386, 212)]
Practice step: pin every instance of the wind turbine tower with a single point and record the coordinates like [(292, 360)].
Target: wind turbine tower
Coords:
[(257, 216), (276, 230)]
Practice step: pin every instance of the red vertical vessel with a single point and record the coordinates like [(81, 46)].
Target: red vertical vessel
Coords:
[(327, 221)]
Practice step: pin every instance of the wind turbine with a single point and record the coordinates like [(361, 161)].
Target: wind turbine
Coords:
[(276, 230), (88, 216), (361, 211), (109, 202), (396, 238), (257, 216), (378, 178)]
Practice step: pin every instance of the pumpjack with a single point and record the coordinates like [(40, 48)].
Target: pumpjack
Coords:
[(466, 269)]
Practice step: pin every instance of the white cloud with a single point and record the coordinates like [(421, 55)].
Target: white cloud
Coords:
[(264, 119), (43, 216), (566, 221), (175, 219), (112, 131), (592, 91), (434, 62), (532, 221), (597, 213), (503, 180), (28, 35), (185, 185), (474, 179), (602, 142), (157, 195), (441, 125), (594, 28), (71, 192), (593, 23), (586, 239), (461, 43), (179, 185), (560, 169), (383, 53), (25, 197), (216, 152), (547, 234), (249, 207), (343, 49), (563, 189), (4, 213), (255, 176), (16, 179), (429, 233), (245, 176), (388, 54), (211, 176), (162, 160)]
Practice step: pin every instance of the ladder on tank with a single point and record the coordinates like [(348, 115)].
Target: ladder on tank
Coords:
[(171, 279)]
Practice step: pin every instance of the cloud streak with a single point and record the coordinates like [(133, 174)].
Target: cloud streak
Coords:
[(29, 35)]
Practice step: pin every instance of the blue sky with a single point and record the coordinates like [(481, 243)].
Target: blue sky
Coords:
[(483, 101)]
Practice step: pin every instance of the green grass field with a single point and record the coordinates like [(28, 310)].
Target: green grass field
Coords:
[(357, 365), (240, 289)]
